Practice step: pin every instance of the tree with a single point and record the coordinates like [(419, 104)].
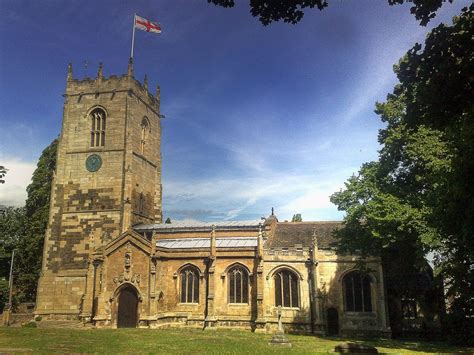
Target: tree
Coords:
[(418, 197), (168, 221), (31, 226), (297, 218), (3, 172), (269, 11)]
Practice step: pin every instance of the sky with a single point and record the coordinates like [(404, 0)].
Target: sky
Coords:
[(256, 117)]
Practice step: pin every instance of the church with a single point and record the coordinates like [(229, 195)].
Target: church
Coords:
[(110, 260)]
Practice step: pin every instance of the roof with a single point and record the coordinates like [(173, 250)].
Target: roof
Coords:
[(180, 226), (197, 243), (288, 234)]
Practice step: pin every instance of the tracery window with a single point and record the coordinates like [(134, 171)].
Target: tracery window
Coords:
[(409, 308), (189, 285), (145, 126), (357, 291), (238, 285), (98, 118), (286, 289)]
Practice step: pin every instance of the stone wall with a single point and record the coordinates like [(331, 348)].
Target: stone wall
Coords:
[(89, 209)]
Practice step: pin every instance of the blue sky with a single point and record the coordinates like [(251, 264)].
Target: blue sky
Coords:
[(256, 117)]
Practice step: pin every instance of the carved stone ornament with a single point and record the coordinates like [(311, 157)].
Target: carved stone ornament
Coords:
[(127, 277)]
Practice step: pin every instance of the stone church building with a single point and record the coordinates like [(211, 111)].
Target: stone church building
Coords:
[(109, 259)]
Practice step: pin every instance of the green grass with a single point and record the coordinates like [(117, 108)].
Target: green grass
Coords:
[(185, 340)]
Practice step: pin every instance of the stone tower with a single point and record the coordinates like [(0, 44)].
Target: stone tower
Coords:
[(108, 178)]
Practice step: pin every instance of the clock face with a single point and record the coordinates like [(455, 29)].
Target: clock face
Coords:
[(93, 162)]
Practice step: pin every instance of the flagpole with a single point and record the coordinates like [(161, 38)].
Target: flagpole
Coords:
[(133, 35)]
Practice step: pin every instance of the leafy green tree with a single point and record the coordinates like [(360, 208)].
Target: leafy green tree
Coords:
[(418, 196), (168, 221), (269, 11), (297, 218), (29, 246), (3, 172)]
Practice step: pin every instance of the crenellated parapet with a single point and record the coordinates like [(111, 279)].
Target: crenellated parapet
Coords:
[(110, 86)]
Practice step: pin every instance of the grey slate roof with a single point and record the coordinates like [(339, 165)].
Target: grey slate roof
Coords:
[(197, 225), (196, 243), (288, 234)]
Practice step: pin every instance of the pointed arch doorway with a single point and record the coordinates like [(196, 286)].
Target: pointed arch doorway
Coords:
[(127, 315)]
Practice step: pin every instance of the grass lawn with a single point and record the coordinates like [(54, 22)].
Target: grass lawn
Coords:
[(185, 340)]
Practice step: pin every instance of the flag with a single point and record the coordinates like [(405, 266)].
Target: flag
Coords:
[(146, 25)]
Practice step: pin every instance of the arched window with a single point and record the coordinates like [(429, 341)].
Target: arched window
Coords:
[(97, 117), (145, 126), (357, 292), (189, 285), (286, 289), (238, 285)]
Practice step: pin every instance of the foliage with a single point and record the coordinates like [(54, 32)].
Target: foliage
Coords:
[(23, 229), (269, 11), (13, 226), (30, 247), (3, 293), (168, 221), (417, 197), (187, 340), (297, 218), (3, 172)]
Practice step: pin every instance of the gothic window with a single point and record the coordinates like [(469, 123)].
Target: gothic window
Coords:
[(286, 289), (409, 308), (238, 285), (97, 117), (145, 127), (189, 285), (357, 292)]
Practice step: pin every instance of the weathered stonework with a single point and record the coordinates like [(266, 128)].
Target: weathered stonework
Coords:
[(109, 260), (89, 209)]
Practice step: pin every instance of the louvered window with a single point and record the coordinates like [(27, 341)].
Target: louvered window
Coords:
[(98, 125)]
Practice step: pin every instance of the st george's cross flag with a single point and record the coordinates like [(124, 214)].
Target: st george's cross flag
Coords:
[(146, 25)]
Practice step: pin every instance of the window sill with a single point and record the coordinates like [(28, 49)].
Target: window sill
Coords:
[(238, 304), (367, 314), (187, 304)]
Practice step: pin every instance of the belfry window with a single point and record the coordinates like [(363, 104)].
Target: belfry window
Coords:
[(145, 128), (238, 285), (357, 292), (97, 117), (189, 285), (286, 289)]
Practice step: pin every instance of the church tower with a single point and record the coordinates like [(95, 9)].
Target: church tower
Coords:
[(107, 179)]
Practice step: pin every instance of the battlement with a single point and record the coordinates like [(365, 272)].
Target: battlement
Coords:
[(101, 85)]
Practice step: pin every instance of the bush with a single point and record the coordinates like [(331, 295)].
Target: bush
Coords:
[(38, 318), (30, 324), (3, 293)]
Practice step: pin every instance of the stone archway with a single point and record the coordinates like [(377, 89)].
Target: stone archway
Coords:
[(127, 314)]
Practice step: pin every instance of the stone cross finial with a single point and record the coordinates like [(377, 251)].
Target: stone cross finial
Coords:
[(145, 82), (100, 72), (130, 67), (69, 72)]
